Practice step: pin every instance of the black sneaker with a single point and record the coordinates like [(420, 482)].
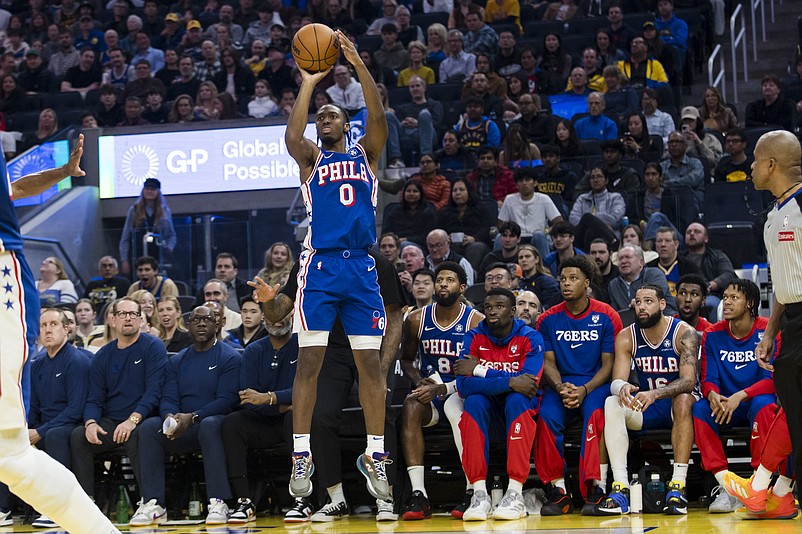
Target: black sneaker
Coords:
[(245, 512), (595, 497), (459, 511), (418, 507), (301, 511), (558, 502), (616, 502)]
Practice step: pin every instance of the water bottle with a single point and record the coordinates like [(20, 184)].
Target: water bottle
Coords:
[(655, 484), (194, 502), (635, 496), (496, 491), (624, 221), (122, 505)]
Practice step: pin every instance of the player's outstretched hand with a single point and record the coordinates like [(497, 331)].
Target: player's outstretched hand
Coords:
[(263, 292), (73, 166), (764, 351), (348, 48), (313, 78)]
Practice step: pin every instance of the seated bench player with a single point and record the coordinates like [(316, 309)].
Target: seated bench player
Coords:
[(665, 351), (200, 387), (434, 335), (498, 375), (579, 341), (737, 391)]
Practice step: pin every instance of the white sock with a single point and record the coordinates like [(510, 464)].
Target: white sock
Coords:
[(559, 483), (761, 479), (468, 485), (416, 478), (602, 482), (720, 477), (336, 493), (479, 485), (375, 444), (680, 473), (300, 443), (782, 487), (514, 485)]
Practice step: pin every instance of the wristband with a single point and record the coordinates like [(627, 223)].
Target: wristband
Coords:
[(586, 389), (480, 371), (451, 387), (615, 387)]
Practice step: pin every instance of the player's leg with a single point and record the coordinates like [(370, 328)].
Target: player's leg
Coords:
[(593, 460), (453, 408), (152, 445), (333, 387), (362, 314), (617, 419), (474, 428), (714, 459), (754, 492), (243, 430), (304, 396), (682, 443), (414, 416), (549, 460), (48, 486), (215, 473), (519, 413)]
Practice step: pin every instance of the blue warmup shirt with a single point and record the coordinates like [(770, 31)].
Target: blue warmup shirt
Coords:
[(123, 381), (340, 198), (58, 389), (578, 341), (440, 346), (205, 383), (729, 365), (266, 369)]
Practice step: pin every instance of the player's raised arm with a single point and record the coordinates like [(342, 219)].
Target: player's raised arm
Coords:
[(376, 128), (38, 182), (303, 150)]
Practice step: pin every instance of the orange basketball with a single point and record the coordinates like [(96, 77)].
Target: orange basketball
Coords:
[(315, 48)]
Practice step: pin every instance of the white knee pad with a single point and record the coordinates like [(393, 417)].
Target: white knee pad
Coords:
[(313, 338), (365, 342)]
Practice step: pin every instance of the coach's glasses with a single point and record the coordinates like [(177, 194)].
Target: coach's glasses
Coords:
[(123, 314)]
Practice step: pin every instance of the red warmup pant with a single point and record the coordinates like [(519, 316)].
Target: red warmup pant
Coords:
[(480, 415)]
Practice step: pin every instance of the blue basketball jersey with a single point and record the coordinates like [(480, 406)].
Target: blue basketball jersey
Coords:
[(10, 238), (672, 277), (729, 363), (340, 199), (440, 346), (656, 365)]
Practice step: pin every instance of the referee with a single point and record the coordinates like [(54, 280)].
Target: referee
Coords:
[(777, 169)]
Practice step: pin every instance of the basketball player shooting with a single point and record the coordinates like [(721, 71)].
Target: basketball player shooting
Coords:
[(30, 473), (336, 275)]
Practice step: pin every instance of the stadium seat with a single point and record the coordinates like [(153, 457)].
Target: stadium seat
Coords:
[(62, 101), (737, 240), (592, 147), (444, 92), (754, 133), (398, 95), (424, 20), (499, 27), (67, 117), (678, 204), (23, 121)]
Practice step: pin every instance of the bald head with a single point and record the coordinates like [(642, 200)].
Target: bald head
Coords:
[(778, 156)]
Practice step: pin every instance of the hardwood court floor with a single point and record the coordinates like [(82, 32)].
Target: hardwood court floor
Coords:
[(696, 522)]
